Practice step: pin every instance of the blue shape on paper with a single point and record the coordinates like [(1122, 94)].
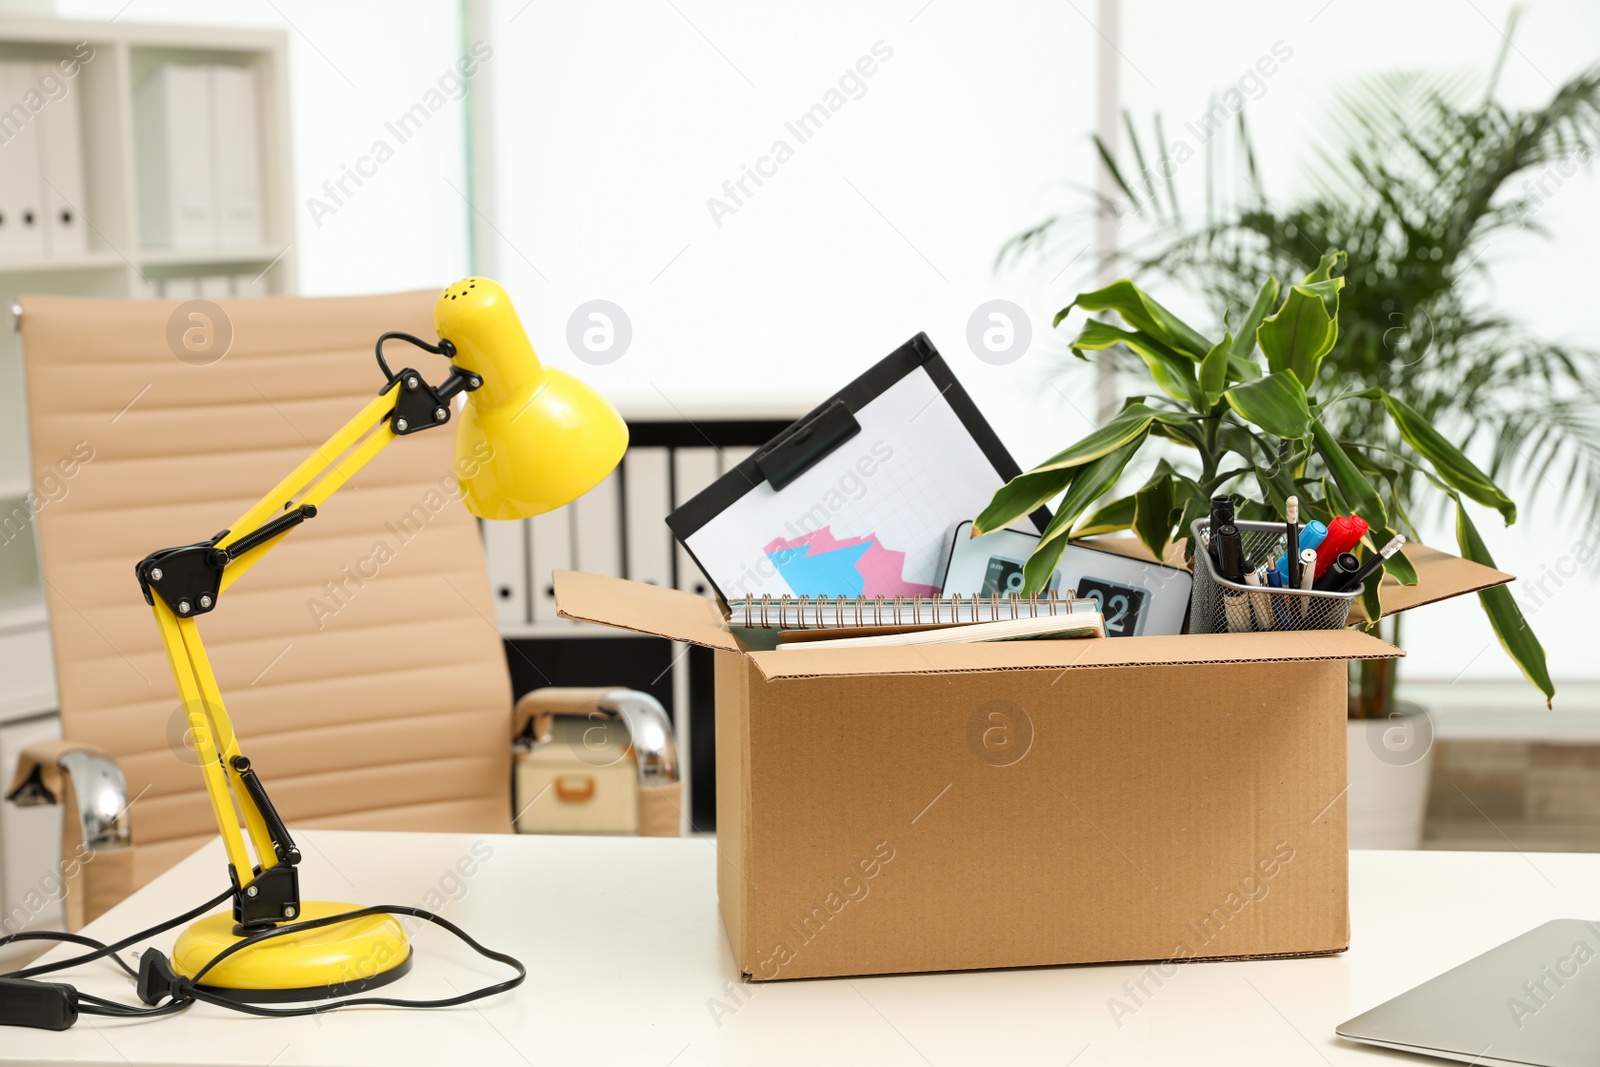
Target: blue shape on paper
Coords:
[(830, 573)]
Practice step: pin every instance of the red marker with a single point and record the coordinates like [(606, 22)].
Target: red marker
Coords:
[(1344, 534)]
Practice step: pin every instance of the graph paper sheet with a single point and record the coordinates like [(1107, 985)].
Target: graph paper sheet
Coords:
[(873, 516)]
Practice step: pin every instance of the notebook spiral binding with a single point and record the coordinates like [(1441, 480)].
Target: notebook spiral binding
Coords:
[(791, 612)]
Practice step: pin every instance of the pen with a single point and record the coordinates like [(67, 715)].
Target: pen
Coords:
[(1373, 564), (1260, 606), (1308, 566), (1291, 532), (1277, 606), (1334, 574), (1308, 571), (1312, 535), (1236, 610)]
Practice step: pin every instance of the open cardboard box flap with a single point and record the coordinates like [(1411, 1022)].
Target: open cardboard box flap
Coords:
[(1440, 575), (642, 608), (681, 616)]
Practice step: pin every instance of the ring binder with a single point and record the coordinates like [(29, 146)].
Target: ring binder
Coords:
[(789, 612)]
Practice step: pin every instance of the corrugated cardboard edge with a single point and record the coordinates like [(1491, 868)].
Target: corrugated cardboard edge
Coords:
[(1308, 954), (1086, 654), (731, 716)]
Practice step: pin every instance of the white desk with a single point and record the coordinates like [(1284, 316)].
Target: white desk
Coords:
[(627, 958)]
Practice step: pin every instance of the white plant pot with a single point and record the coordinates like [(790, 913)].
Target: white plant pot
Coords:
[(1391, 765)]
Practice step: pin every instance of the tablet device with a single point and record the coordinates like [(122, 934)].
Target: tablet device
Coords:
[(1137, 597)]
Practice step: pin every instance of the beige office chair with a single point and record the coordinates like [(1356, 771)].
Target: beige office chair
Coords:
[(360, 661)]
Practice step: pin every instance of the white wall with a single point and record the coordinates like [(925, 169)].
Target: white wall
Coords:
[(354, 67), (616, 123)]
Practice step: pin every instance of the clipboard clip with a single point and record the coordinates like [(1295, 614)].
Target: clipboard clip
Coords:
[(808, 441)]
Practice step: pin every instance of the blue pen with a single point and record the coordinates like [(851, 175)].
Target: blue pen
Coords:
[(1280, 607), (1311, 535)]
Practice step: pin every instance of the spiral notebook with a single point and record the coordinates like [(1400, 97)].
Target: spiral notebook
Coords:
[(863, 613), (766, 622)]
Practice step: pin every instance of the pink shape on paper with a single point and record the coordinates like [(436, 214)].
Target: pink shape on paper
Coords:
[(882, 569)]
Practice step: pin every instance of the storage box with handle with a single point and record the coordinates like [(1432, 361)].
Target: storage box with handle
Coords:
[(595, 761)]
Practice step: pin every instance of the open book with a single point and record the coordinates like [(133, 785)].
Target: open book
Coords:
[(1077, 624)]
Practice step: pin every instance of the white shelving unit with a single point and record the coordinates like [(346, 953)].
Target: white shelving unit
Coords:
[(119, 263)]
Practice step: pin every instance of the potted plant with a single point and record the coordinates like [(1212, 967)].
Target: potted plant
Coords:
[(1423, 173), (1252, 415)]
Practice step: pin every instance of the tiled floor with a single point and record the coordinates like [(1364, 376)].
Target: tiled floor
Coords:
[(1530, 795)]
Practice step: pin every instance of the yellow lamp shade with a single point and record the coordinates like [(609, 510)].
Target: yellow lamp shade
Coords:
[(531, 438)]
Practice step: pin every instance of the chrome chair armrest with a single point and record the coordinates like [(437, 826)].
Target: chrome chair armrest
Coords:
[(650, 730), (99, 790)]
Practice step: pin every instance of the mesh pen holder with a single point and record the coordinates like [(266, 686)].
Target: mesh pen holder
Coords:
[(1219, 606)]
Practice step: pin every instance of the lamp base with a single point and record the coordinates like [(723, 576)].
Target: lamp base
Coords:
[(331, 961)]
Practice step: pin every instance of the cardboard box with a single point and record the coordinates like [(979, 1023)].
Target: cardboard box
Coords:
[(945, 807)]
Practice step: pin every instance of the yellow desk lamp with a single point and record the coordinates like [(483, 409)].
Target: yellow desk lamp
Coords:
[(529, 439)]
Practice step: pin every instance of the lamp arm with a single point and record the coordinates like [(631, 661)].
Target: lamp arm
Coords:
[(185, 582)]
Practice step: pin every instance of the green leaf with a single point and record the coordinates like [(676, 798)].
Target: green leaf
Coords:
[(1089, 483), (1173, 373), (1241, 369), (1183, 433), (1515, 635), (1142, 313), (1021, 497), (1336, 501), (1239, 440), (1028, 491), (1244, 342), (1276, 403), (1256, 511), (1117, 515), (1037, 570), (1325, 265), (1195, 507), (1353, 485), (1214, 372), (1301, 333), (1127, 424), (1371, 602), (1453, 467), (1153, 507)]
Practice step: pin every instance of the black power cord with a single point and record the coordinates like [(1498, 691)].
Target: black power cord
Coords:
[(443, 348), (57, 1006), (102, 949)]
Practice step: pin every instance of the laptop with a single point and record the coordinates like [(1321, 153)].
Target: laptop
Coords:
[(1534, 1000)]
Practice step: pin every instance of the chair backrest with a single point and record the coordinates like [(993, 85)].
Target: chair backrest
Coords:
[(360, 661)]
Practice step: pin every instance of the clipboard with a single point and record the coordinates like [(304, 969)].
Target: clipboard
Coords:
[(858, 497)]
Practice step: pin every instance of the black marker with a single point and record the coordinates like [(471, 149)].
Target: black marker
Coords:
[(1229, 553), (1333, 579), (1221, 515), (1373, 564)]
